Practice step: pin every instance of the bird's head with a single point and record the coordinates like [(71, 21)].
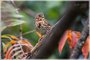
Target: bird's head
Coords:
[(39, 17)]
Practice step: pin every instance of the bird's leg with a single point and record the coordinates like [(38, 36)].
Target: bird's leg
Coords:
[(39, 34)]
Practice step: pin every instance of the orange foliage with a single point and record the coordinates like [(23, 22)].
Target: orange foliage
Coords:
[(14, 41), (72, 38)]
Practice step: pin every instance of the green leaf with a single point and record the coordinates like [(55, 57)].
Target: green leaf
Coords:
[(4, 36), (10, 16), (10, 23), (3, 45)]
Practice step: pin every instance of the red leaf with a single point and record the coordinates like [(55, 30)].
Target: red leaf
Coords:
[(85, 49), (75, 38), (62, 41)]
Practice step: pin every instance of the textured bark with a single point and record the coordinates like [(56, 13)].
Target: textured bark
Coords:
[(77, 50), (50, 42)]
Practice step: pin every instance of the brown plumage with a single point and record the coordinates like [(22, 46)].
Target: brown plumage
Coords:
[(42, 26)]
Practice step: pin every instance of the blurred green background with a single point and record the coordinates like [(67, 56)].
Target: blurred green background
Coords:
[(53, 11)]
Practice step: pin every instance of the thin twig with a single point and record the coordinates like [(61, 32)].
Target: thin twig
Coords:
[(36, 47), (17, 11), (28, 32)]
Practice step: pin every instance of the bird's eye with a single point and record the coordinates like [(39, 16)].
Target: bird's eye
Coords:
[(39, 15)]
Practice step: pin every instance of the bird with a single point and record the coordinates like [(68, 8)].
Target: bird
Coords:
[(42, 25)]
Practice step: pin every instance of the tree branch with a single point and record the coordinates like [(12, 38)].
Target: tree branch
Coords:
[(50, 42), (77, 50)]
